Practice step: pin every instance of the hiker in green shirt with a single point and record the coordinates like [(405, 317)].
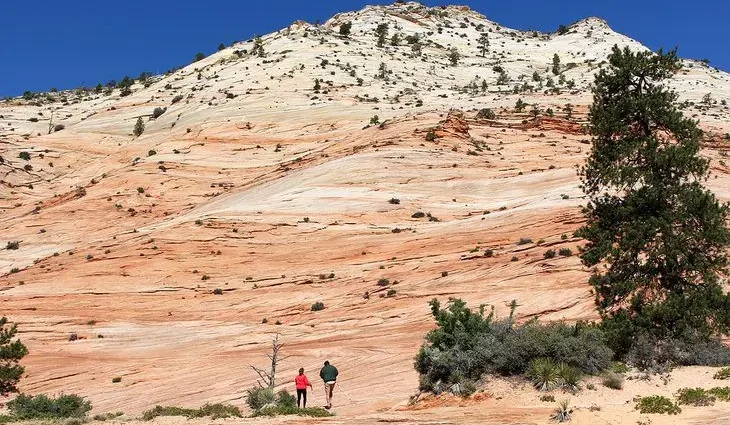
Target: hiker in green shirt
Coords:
[(328, 373)]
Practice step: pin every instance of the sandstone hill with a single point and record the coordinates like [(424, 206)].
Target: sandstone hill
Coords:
[(176, 255)]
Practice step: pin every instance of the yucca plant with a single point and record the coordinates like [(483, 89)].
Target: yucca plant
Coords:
[(569, 377), (562, 412), (544, 374)]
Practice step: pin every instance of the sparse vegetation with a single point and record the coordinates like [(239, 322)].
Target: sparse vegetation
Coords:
[(695, 397), (657, 404), (214, 411), (25, 407), (319, 305), (723, 373)]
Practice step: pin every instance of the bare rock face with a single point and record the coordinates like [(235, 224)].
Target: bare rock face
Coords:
[(454, 126), (254, 196)]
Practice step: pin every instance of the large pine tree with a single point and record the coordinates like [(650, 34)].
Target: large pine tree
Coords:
[(656, 238)]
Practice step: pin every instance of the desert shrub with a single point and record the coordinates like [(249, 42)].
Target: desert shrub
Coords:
[(468, 344), (394, 201), (345, 28), (547, 398), (213, 411), (107, 416), (257, 397), (489, 253), (657, 404), (430, 136), (383, 282), (318, 306), (116, 379), (524, 241), (613, 380), (12, 245), (284, 399), (651, 354), (695, 397), (58, 127), (722, 393), (158, 111), (217, 291), (544, 374), (43, 407), (565, 252), (569, 377), (271, 411), (391, 293), (24, 156), (177, 99), (562, 412), (723, 373), (418, 214), (6, 419), (486, 113), (550, 253)]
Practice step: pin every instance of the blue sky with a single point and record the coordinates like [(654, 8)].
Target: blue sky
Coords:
[(69, 43)]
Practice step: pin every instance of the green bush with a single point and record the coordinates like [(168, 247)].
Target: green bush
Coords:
[(158, 111), (569, 377), (613, 380), (284, 399), (649, 353), (544, 374), (468, 344), (43, 407), (722, 374), (107, 416), (213, 411), (318, 306), (722, 393), (565, 252), (657, 404), (524, 241), (24, 156), (550, 253), (695, 397), (271, 411), (486, 113), (257, 397)]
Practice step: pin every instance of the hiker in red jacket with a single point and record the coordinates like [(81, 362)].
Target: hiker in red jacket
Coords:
[(302, 383)]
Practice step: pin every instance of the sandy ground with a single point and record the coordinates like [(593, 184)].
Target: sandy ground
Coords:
[(279, 197)]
